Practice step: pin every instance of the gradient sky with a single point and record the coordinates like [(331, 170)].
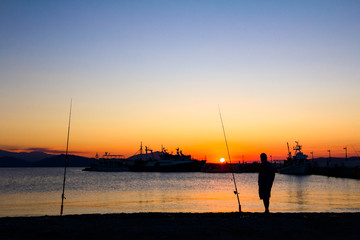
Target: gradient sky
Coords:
[(156, 71)]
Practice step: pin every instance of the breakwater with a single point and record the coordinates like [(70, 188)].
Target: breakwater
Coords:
[(335, 168)]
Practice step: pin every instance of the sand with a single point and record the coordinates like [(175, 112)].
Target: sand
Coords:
[(184, 226)]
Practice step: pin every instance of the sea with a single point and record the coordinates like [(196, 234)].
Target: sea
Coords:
[(37, 192)]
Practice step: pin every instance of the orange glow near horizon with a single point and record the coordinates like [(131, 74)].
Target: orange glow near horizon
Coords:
[(196, 132)]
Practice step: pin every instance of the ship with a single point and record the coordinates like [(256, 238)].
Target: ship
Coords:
[(164, 161), (160, 161), (110, 163), (297, 164)]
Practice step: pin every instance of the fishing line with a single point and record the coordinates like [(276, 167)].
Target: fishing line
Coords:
[(228, 152)]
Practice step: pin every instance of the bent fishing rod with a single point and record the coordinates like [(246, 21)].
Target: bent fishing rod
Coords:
[(66, 161), (228, 152)]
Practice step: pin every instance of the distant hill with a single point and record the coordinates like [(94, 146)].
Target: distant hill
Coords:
[(59, 161), (40, 159), (13, 162), (27, 156)]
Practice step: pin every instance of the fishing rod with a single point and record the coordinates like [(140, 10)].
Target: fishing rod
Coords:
[(66, 161), (228, 152)]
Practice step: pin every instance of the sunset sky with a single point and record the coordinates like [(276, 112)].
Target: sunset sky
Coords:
[(156, 71)]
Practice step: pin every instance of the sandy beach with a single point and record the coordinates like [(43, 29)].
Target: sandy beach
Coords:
[(184, 226)]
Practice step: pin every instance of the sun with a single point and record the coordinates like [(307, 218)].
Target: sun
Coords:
[(222, 160)]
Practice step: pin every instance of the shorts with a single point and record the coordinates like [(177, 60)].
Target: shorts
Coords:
[(264, 192)]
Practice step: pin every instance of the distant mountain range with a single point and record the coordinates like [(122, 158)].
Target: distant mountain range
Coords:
[(27, 156), (41, 159)]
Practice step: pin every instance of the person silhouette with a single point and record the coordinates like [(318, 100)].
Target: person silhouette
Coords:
[(265, 181)]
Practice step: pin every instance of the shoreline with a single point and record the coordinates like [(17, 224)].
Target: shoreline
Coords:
[(184, 226), (335, 171)]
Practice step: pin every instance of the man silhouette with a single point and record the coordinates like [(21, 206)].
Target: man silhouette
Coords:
[(265, 181)]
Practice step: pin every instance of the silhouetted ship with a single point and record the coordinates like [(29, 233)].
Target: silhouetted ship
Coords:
[(148, 162), (298, 164), (110, 163)]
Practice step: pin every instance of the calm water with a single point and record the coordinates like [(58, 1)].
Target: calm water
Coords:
[(37, 191)]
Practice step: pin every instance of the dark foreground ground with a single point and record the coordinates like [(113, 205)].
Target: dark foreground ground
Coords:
[(185, 226)]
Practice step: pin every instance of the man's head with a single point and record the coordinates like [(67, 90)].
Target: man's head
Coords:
[(263, 157)]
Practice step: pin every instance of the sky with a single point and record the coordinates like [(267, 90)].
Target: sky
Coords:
[(156, 72)]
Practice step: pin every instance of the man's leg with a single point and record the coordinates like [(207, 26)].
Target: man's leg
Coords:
[(266, 204)]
